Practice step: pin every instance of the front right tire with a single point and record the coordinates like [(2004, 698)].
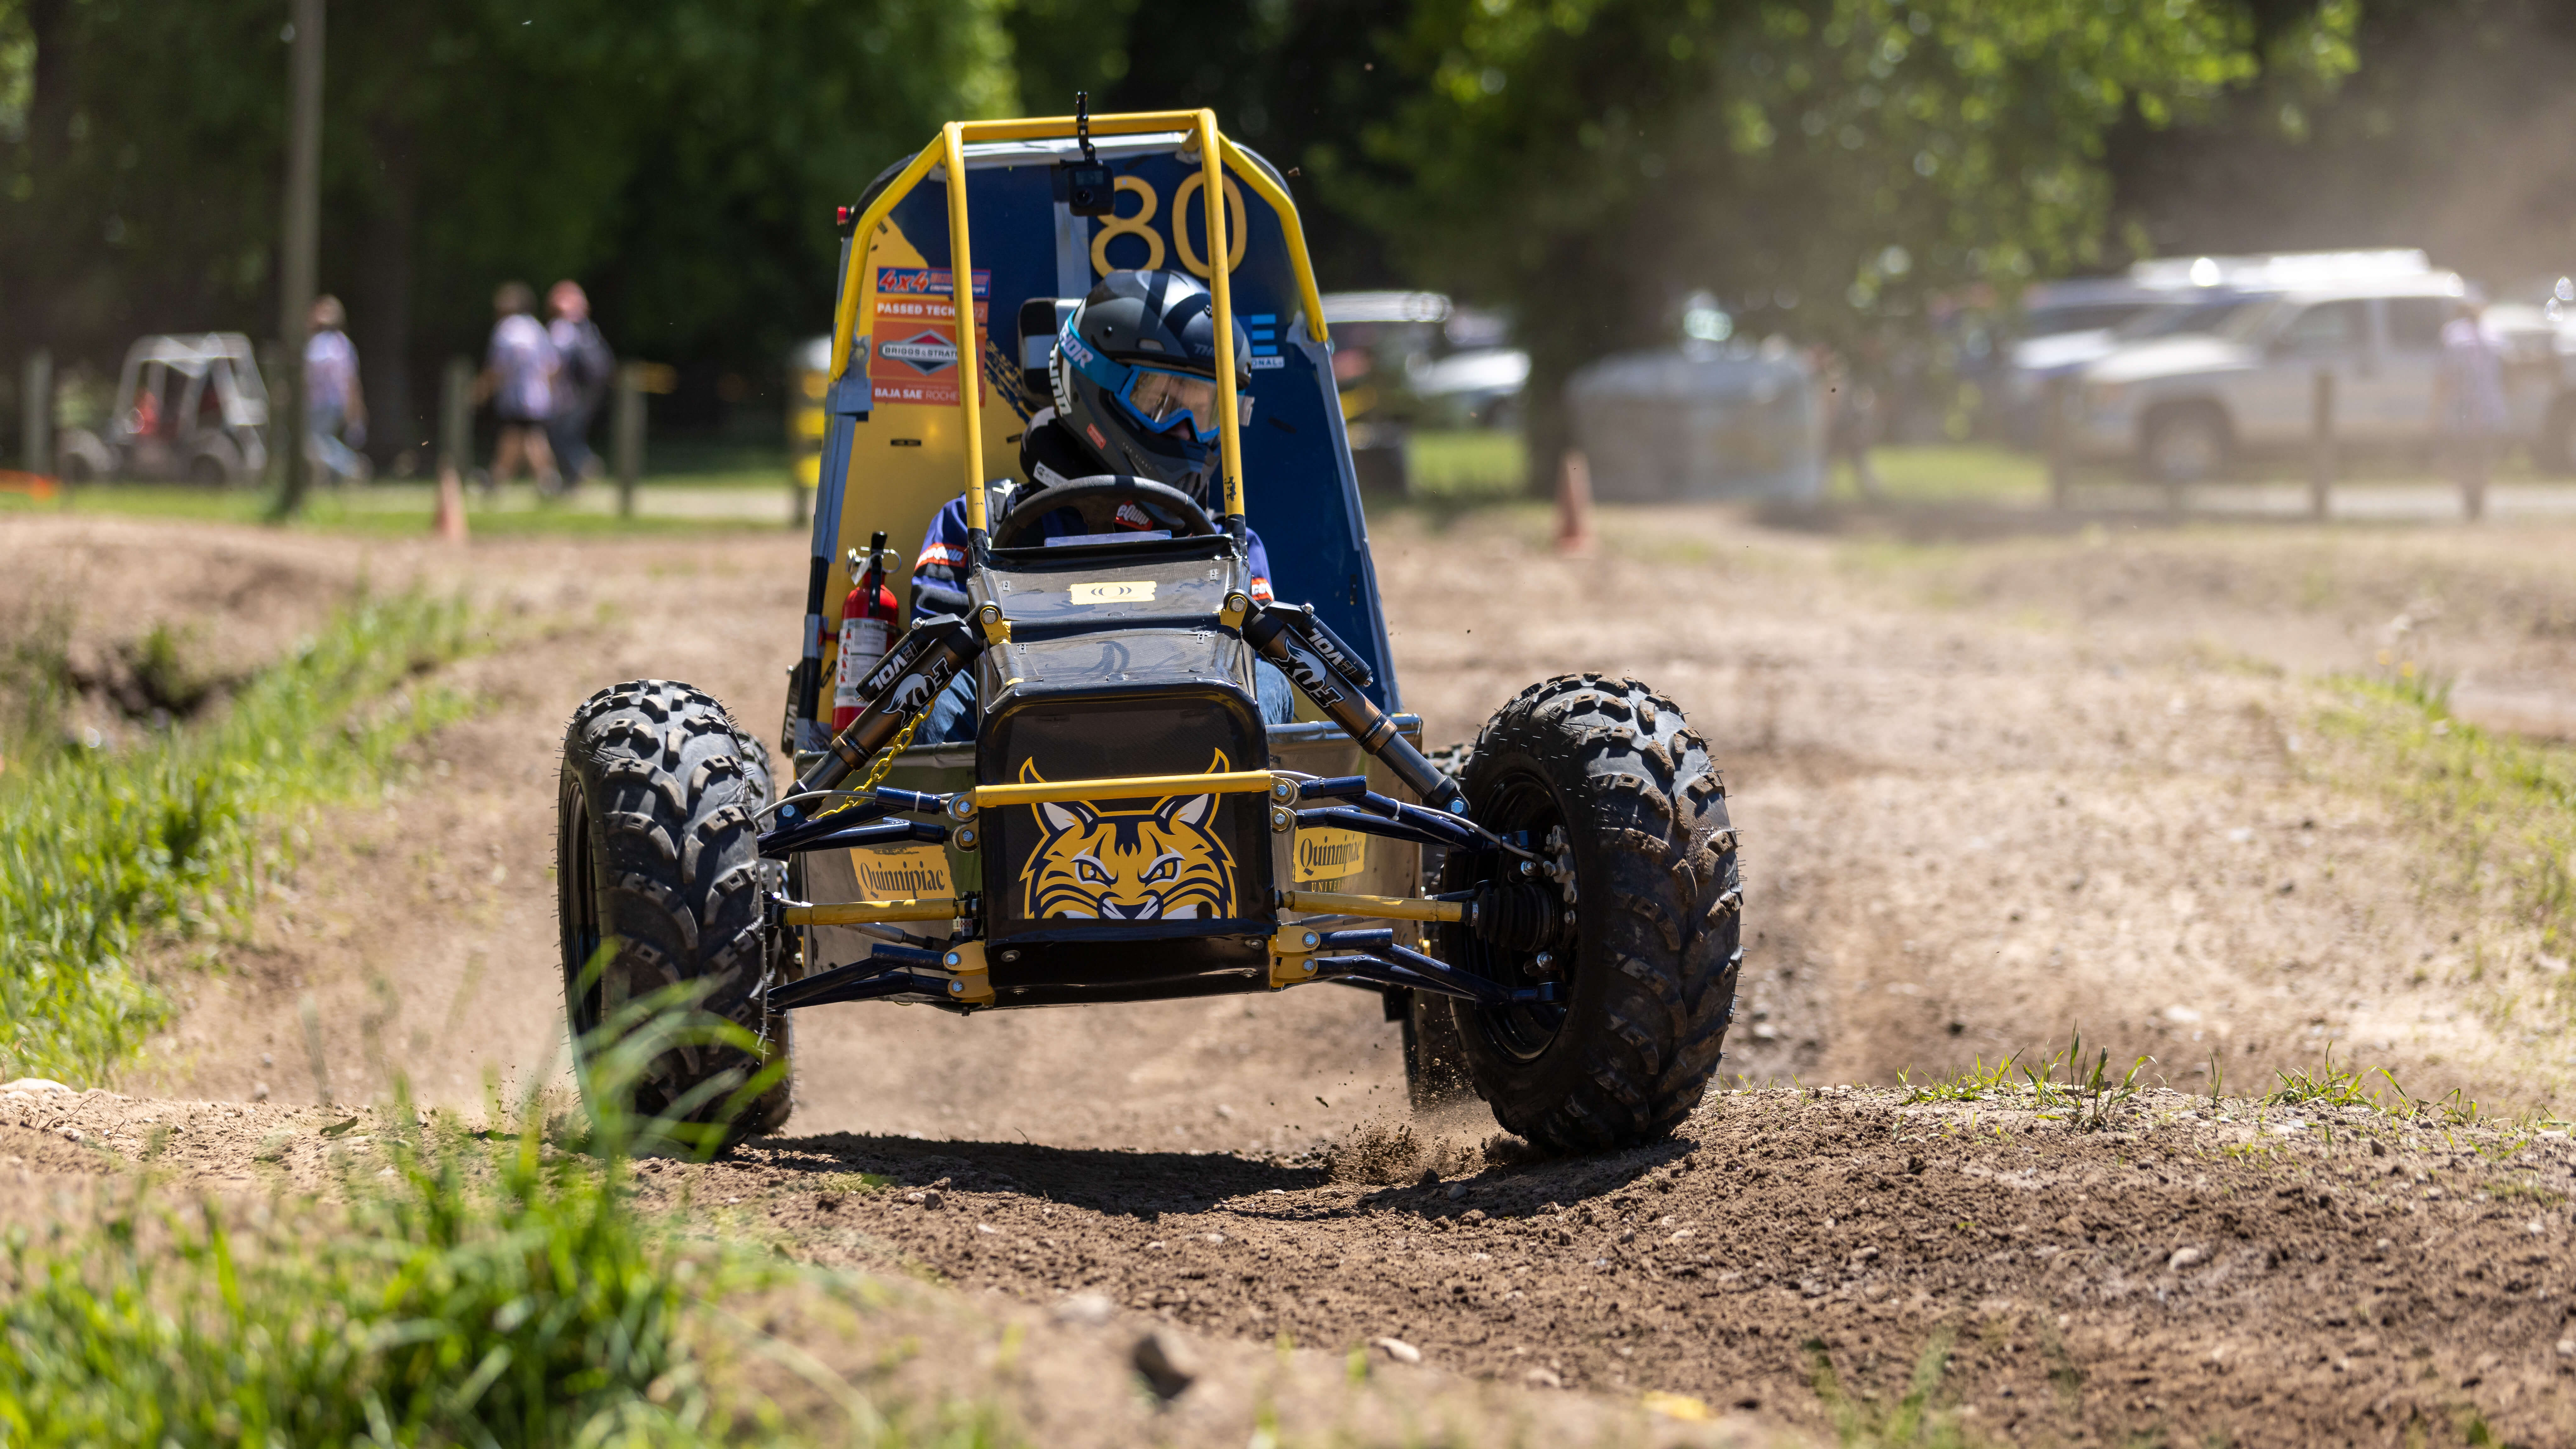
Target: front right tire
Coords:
[(1624, 803)]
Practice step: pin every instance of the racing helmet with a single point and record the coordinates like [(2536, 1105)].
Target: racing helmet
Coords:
[(1134, 375)]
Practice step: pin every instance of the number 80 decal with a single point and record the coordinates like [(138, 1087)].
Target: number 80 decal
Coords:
[(1186, 208)]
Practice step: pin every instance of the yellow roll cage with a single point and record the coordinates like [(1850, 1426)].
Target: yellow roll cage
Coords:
[(858, 299), (859, 283)]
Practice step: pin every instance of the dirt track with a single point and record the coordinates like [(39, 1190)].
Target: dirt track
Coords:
[(1990, 794)]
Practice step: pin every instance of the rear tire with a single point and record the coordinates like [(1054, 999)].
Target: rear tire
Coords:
[(1647, 980), (658, 853)]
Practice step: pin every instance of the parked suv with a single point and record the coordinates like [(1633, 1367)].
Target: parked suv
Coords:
[(2186, 408)]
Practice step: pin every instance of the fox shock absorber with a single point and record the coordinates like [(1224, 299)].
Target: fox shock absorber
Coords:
[(1310, 655), (902, 686)]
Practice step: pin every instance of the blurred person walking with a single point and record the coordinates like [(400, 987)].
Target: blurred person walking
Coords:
[(335, 407), (519, 380), (582, 383), (2468, 403)]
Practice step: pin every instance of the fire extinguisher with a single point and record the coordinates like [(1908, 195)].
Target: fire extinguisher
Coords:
[(868, 622)]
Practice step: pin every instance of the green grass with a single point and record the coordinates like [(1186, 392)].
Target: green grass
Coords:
[(479, 1289), (406, 510), (102, 852), (1917, 1417), (2499, 812), (2064, 1087), (1950, 473), (1974, 1083), (1466, 466)]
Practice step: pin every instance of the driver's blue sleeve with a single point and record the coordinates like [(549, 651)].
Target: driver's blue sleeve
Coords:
[(943, 555), (1259, 558)]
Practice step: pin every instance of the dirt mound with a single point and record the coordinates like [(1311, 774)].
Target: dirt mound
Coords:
[(1987, 796), (2230, 1272), (2269, 1276)]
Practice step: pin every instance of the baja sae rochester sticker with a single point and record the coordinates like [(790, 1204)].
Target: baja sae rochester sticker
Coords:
[(915, 327)]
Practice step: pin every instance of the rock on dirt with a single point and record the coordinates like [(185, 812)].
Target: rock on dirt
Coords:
[(1154, 1364)]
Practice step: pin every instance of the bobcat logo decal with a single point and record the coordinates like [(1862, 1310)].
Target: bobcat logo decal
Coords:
[(1161, 861)]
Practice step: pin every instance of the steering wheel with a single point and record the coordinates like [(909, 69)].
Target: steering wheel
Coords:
[(1098, 500)]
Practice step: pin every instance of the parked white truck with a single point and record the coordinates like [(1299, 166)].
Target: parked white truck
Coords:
[(2189, 408)]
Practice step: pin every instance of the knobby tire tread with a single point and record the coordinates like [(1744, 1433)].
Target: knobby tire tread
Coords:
[(1659, 946), (662, 787)]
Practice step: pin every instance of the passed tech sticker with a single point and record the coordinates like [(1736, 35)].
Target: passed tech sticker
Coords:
[(1324, 853), (902, 872), (1114, 591)]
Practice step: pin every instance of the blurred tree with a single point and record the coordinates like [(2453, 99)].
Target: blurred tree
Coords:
[(681, 159), (1845, 162), (2450, 136), (1834, 168), (1296, 80)]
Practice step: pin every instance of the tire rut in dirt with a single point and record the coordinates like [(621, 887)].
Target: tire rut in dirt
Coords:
[(1649, 988), (658, 851)]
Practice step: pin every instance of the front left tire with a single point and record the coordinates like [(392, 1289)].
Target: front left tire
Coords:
[(658, 861)]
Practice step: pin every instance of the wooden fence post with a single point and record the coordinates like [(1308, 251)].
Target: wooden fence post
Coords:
[(2321, 446), (2061, 463), (627, 430), (455, 447), (36, 402)]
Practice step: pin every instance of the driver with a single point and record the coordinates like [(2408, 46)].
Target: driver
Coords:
[(1134, 378)]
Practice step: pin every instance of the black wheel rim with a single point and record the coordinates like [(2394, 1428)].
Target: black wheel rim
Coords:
[(581, 930), (1519, 802)]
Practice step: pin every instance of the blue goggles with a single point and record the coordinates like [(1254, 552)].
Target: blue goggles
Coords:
[(1161, 399)]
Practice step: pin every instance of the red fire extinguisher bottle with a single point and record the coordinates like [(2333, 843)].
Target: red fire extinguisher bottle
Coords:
[(867, 631)]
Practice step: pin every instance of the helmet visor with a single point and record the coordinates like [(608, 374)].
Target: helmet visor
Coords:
[(1167, 401)]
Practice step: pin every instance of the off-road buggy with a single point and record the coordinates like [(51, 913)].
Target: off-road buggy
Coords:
[(1124, 825), (190, 408)]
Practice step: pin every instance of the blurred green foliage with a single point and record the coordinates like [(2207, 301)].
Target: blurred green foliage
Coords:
[(1841, 163), (478, 1288), (103, 850), (1837, 169), (679, 158)]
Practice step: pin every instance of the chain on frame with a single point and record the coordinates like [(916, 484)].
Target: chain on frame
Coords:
[(884, 760)]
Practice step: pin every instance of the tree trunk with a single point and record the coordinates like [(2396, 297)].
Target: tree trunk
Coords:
[(28, 319), (385, 297)]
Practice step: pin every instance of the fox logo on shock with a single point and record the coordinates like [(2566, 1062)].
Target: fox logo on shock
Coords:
[(1305, 667), (1159, 861), (900, 661)]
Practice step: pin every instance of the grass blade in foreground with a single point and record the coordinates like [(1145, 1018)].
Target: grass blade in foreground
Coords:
[(482, 1289)]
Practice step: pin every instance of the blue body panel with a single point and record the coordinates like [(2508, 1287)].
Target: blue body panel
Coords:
[(1299, 489)]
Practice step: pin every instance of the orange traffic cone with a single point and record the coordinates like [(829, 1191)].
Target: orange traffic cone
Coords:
[(1574, 505), (449, 525)]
